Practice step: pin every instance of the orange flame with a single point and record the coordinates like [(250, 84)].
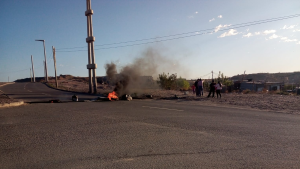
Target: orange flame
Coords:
[(112, 95)]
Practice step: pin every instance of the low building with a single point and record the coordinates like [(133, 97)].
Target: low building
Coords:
[(257, 86), (273, 86)]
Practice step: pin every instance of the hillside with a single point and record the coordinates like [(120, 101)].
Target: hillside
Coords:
[(288, 77), (42, 79)]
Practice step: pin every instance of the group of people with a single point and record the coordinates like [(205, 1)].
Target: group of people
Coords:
[(213, 87), (198, 87)]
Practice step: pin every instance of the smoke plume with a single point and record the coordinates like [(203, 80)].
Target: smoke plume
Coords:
[(139, 75)]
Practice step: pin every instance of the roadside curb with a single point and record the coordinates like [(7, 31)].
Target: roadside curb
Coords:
[(13, 104)]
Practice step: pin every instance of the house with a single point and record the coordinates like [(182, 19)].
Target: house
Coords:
[(253, 86), (257, 86), (273, 86)]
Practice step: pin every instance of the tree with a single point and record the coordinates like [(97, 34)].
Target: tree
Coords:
[(183, 84), (167, 81), (224, 80), (171, 82)]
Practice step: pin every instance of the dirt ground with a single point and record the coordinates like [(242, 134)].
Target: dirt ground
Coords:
[(4, 99), (262, 101)]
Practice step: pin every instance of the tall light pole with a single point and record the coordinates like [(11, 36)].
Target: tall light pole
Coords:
[(46, 70), (91, 55)]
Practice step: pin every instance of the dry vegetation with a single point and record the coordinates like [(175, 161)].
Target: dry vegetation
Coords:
[(4, 99)]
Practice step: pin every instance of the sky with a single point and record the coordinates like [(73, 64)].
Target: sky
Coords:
[(232, 43)]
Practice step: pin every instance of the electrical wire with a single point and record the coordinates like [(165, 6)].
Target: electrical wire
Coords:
[(195, 33), (205, 75)]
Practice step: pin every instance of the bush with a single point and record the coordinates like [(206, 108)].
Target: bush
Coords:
[(282, 93), (51, 85), (183, 84), (246, 91), (170, 82), (224, 80), (167, 82)]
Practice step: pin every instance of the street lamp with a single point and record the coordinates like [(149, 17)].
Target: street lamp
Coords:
[(45, 58)]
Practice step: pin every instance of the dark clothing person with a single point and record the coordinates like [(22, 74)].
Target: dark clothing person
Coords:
[(200, 90), (196, 85), (212, 89), (200, 87), (218, 93)]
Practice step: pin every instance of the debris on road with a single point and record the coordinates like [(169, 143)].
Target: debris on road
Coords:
[(75, 98)]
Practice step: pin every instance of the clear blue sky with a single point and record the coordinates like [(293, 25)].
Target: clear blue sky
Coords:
[(270, 47)]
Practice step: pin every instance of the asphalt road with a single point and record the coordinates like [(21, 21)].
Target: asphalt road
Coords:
[(39, 92), (146, 134)]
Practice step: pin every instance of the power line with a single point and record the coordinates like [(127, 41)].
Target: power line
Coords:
[(181, 37), (284, 17), (196, 33), (205, 75)]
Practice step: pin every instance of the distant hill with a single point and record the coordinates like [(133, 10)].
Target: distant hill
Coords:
[(37, 79), (42, 79), (287, 77)]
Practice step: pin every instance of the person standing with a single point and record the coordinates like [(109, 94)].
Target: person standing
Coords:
[(212, 89), (200, 87), (193, 88), (218, 89), (196, 85)]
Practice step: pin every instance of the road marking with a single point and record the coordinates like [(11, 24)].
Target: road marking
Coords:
[(162, 108), (25, 86), (29, 90)]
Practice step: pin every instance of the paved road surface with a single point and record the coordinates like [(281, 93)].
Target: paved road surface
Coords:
[(146, 134), (33, 92)]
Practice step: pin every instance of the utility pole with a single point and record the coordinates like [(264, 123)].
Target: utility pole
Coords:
[(91, 55), (46, 72), (212, 75), (244, 75), (8, 78), (32, 69), (54, 59), (30, 76)]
